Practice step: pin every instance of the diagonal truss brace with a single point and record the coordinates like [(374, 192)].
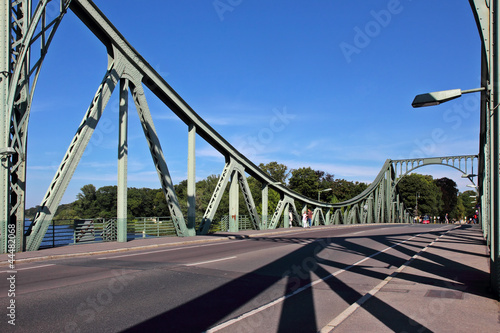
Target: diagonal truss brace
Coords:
[(318, 216), (216, 197), (247, 196), (159, 161), (280, 207), (54, 194), (118, 68), (233, 170)]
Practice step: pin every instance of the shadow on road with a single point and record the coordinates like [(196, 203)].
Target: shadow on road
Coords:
[(218, 305)]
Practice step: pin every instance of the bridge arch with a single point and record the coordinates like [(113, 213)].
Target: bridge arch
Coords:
[(463, 164)]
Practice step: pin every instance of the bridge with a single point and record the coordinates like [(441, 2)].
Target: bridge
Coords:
[(129, 72)]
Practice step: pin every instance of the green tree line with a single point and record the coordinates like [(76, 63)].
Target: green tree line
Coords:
[(434, 197), (94, 202)]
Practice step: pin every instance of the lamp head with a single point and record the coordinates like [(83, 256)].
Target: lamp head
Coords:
[(435, 98)]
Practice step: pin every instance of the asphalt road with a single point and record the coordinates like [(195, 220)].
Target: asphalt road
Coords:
[(294, 282)]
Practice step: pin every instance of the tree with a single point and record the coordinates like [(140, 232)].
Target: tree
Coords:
[(449, 192), (469, 201), (86, 204), (278, 172), (459, 212), (344, 190), (415, 187), (106, 201), (305, 181)]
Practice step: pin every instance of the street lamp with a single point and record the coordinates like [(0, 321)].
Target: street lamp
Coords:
[(325, 190), (438, 97)]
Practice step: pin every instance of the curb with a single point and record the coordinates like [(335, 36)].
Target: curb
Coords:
[(152, 246)]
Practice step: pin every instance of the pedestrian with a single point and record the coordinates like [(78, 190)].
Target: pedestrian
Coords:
[(309, 217), (290, 217), (304, 220), (446, 218)]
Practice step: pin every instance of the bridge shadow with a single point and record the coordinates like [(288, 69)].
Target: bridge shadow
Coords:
[(219, 304)]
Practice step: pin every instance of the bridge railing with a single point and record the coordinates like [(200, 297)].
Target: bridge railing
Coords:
[(62, 232)]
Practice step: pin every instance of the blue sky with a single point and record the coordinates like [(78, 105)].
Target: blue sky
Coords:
[(325, 84)]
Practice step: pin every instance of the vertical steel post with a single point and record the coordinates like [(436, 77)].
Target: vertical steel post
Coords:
[(191, 181), (388, 197), (495, 122), (234, 203), (265, 206), (286, 216), (121, 211), (4, 121)]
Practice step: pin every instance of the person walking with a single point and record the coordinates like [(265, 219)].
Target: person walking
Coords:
[(309, 217), (304, 220)]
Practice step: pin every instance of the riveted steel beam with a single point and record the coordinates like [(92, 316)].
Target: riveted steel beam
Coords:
[(70, 161), (216, 198), (121, 205), (191, 181), (159, 161), (280, 208), (247, 196)]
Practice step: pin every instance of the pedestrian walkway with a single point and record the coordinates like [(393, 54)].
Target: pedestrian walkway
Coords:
[(444, 288)]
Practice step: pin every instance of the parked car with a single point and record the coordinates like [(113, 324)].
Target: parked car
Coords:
[(426, 220)]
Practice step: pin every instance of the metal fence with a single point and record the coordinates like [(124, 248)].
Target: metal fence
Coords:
[(66, 232)]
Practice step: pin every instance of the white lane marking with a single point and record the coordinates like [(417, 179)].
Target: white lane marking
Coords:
[(189, 247), (23, 269), (209, 261), (164, 250), (282, 298), (196, 246), (356, 305)]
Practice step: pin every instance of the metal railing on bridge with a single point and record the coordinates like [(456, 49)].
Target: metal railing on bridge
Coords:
[(69, 231)]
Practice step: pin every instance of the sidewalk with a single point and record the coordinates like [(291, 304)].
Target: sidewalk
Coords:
[(446, 288)]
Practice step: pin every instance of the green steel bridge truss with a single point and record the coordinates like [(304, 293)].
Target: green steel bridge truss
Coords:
[(128, 71)]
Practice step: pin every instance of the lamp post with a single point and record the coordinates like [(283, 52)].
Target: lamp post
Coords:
[(487, 15), (325, 190), (438, 97), (417, 195)]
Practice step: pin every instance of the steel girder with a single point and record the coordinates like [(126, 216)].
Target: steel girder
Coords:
[(159, 161), (70, 161), (487, 16), (318, 216), (285, 202), (96, 21), (234, 171), (119, 68), (19, 30), (247, 196), (378, 203)]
